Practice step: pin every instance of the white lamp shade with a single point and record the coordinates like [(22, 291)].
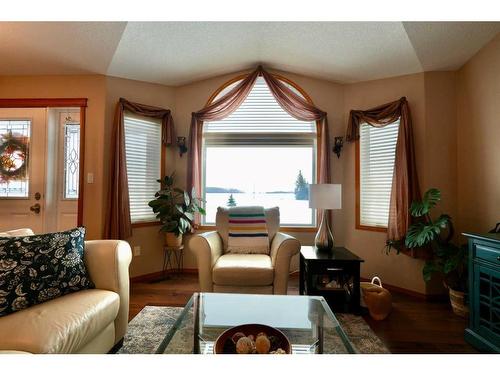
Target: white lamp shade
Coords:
[(325, 196)]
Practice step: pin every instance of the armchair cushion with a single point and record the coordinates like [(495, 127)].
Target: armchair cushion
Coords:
[(243, 270), (222, 223)]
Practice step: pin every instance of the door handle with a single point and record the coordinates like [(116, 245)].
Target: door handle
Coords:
[(35, 208)]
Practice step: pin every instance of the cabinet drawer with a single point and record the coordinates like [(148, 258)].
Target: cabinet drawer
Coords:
[(318, 267), (490, 254)]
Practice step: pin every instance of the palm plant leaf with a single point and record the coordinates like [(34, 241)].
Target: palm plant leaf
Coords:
[(419, 235), (430, 199), (442, 221), (430, 267), (174, 207)]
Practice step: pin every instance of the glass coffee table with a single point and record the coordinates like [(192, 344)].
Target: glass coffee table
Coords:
[(307, 321)]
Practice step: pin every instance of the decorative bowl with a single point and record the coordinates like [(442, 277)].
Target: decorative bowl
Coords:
[(252, 329)]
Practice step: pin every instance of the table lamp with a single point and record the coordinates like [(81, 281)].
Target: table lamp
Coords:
[(325, 197)]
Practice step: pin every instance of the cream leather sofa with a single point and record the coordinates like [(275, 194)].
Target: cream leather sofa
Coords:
[(89, 321), (244, 273)]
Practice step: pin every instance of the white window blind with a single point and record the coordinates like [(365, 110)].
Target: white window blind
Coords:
[(377, 152), (143, 153), (259, 113)]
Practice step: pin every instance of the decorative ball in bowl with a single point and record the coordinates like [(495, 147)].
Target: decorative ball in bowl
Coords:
[(252, 339)]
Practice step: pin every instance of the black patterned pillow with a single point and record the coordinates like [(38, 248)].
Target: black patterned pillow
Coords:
[(35, 269)]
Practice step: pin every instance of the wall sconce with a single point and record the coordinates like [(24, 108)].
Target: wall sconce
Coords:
[(337, 146), (181, 143)]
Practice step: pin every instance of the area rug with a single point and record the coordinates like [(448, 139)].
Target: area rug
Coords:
[(148, 328)]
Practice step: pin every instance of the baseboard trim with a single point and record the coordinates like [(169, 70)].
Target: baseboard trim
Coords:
[(412, 293), (155, 276)]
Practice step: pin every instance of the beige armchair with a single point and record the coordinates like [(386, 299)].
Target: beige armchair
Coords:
[(244, 273)]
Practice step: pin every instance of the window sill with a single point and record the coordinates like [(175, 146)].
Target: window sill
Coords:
[(142, 224), (371, 228)]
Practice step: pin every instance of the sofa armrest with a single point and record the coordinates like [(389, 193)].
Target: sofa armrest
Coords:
[(283, 248), (208, 248), (107, 262)]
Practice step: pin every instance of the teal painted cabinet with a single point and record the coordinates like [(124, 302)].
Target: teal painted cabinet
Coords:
[(483, 331)]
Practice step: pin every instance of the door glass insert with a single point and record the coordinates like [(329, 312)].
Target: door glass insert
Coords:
[(71, 160), (14, 158)]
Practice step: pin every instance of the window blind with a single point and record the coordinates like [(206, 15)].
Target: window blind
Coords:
[(259, 113), (377, 153), (143, 153)]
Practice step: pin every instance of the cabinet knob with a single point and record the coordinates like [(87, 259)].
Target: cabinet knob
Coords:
[(498, 258)]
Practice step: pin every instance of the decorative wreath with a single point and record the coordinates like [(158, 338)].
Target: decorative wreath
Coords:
[(13, 157)]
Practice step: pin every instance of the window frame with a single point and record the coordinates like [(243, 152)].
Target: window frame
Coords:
[(297, 228), (163, 149), (357, 173)]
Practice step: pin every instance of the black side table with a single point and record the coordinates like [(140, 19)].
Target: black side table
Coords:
[(333, 275)]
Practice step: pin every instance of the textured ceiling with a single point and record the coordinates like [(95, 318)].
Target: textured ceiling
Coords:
[(448, 45), (58, 47), (176, 53)]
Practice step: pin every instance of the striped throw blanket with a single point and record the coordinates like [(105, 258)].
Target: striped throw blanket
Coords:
[(247, 231)]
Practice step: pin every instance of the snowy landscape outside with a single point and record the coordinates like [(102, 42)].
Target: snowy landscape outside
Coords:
[(263, 176)]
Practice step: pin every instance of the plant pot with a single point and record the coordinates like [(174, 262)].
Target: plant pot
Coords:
[(172, 240), (457, 300)]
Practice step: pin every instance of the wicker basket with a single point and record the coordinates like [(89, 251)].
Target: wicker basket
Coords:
[(376, 298)]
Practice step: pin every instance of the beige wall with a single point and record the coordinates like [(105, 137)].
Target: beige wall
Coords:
[(337, 100), (478, 139), (440, 156), (451, 111), (92, 87), (182, 101)]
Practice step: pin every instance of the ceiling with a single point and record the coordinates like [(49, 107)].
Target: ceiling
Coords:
[(177, 53)]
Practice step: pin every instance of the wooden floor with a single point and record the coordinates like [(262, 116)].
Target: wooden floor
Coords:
[(414, 326)]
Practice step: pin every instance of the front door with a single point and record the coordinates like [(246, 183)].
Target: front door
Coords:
[(22, 168)]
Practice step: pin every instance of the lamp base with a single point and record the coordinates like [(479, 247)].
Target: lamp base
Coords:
[(324, 240)]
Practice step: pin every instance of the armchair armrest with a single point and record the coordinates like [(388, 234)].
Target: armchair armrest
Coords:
[(208, 248), (107, 262), (283, 248)]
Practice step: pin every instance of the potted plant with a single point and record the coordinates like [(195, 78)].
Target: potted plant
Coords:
[(447, 259), (176, 209)]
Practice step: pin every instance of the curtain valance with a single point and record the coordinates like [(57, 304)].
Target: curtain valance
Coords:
[(405, 187), (118, 223)]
